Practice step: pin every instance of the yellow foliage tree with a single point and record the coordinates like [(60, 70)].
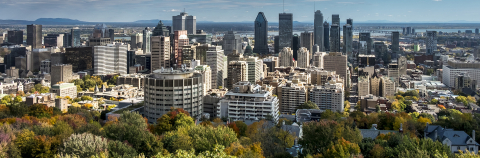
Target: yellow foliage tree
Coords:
[(76, 105), (424, 121), (88, 105)]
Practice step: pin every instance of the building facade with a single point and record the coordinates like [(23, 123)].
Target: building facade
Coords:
[(215, 59), (286, 57), (110, 59), (328, 97), (231, 42), (34, 36), (285, 30), (64, 89), (160, 52), (185, 22), (261, 34), (318, 30), (206, 77), (303, 60), (237, 71), (61, 73)]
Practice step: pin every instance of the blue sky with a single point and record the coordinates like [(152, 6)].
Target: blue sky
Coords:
[(241, 10)]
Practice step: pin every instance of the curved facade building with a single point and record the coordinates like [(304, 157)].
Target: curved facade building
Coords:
[(166, 89)]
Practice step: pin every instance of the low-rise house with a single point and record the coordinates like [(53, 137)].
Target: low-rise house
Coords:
[(456, 140)]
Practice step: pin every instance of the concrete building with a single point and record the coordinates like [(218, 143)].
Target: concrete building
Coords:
[(285, 32), (292, 95), (136, 41), (318, 30), (184, 22), (388, 87), (65, 89), (231, 42), (261, 34), (431, 42), (286, 57), (255, 69), (180, 39), (45, 66), (15, 37), (337, 62), (463, 80), (188, 54), (335, 38), (160, 52), (166, 89), (211, 102), (34, 36), (320, 77), (363, 86), (237, 71), (348, 40), (12, 72), (249, 102), (306, 40), (53, 40), (303, 60), (375, 86), (272, 63), (335, 19), (215, 59), (110, 59), (393, 72), (318, 59), (328, 97), (206, 77), (61, 73)]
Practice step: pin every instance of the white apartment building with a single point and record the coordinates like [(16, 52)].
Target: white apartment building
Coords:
[(456, 67), (286, 57), (318, 59), (207, 76), (303, 57), (328, 97), (363, 86), (65, 89), (292, 95), (215, 59), (255, 69), (109, 59), (248, 102), (388, 87)]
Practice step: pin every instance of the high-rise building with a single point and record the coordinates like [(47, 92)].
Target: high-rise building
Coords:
[(131, 62), (261, 34), (185, 22), (404, 31), (146, 40), (350, 22), (45, 67), (295, 45), (366, 37), (285, 30), (232, 41), (206, 77), (363, 86), (375, 84), (255, 68), (237, 71), (477, 31), (76, 40), (362, 48), (34, 36), (53, 40), (337, 62), (9, 59), (292, 96), (38, 55), (160, 30), (395, 42), (413, 31), (272, 63), (335, 38), (110, 59), (160, 96), (64, 89), (431, 42), (388, 87), (335, 19), (101, 31), (202, 53), (307, 41), (61, 73), (393, 72), (160, 52), (111, 35), (67, 39), (326, 36), (286, 57), (276, 44), (303, 60), (348, 40), (328, 97), (215, 59), (318, 59), (15, 36), (188, 54), (318, 30), (409, 30), (136, 41), (180, 39)]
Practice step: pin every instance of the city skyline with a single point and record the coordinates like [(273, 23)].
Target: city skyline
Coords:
[(205, 10)]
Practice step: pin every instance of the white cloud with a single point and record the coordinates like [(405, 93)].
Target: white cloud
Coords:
[(437, 0), (173, 10)]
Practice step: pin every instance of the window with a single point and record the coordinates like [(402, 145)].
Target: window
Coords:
[(458, 147)]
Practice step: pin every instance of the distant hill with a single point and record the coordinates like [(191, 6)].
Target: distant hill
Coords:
[(58, 21)]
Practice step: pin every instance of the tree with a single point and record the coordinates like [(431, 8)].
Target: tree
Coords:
[(119, 149), (6, 99), (308, 105), (342, 148), (173, 120), (84, 145), (242, 127), (434, 101), (40, 111)]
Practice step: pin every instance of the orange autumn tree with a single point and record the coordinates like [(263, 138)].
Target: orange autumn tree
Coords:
[(234, 127)]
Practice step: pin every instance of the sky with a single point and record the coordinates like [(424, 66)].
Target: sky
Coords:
[(242, 10)]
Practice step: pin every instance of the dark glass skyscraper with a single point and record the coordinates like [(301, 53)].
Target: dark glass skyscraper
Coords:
[(295, 45), (335, 38), (335, 19), (161, 30), (34, 36), (326, 36), (67, 40), (76, 41), (347, 40), (318, 30), (366, 37), (350, 22), (285, 30), (261, 33), (395, 42), (15, 36)]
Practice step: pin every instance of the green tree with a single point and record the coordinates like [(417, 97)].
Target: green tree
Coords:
[(308, 105), (172, 121), (6, 99), (119, 149), (84, 145), (17, 99)]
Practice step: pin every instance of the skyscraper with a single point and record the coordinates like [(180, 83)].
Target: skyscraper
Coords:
[(67, 39), (326, 36), (431, 42), (160, 30), (215, 59), (303, 60), (286, 57), (318, 30), (232, 41), (34, 36), (476, 31), (53, 40), (261, 34), (336, 19), (237, 71), (366, 37), (285, 30), (76, 41), (146, 40), (180, 39), (350, 22), (335, 38), (160, 52), (15, 36), (295, 45), (306, 40), (347, 40), (110, 59), (337, 62), (185, 22), (409, 30), (395, 42)]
